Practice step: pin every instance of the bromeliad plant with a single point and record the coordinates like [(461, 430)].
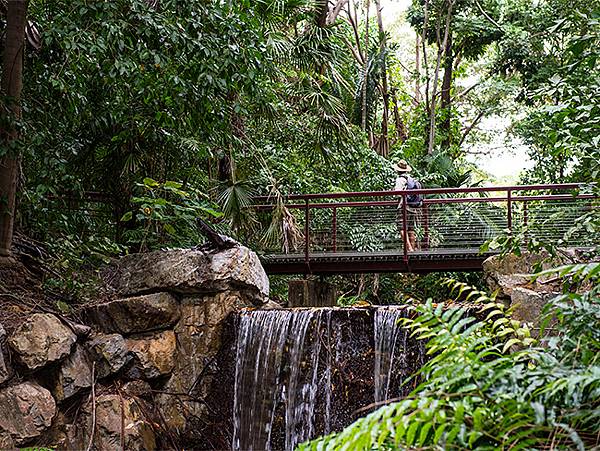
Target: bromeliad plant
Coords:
[(489, 385)]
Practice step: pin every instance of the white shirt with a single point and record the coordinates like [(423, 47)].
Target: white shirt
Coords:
[(401, 185)]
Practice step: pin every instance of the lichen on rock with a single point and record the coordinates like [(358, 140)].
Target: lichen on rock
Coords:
[(74, 374), (110, 353), (119, 423), (136, 314), (154, 354), (191, 271), (5, 366)]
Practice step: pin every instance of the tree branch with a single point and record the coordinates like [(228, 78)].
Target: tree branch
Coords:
[(334, 13), (472, 126), (488, 17)]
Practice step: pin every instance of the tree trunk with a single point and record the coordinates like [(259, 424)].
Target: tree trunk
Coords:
[(384, 142), (401, 132), (365, 71), (417, 71), (322, 11), (441, 48), (12, 83), (445, 104)]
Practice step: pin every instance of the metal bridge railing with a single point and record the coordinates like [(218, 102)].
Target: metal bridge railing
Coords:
[(452, 219)]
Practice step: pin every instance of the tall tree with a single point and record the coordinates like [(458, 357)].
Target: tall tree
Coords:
[(365, 69), (383, 142), (10, 113)]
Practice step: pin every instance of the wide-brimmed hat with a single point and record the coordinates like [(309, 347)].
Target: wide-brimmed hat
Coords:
[(402, 166)]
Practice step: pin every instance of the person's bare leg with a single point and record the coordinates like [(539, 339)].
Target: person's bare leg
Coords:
[(412, 239), (409, 246)]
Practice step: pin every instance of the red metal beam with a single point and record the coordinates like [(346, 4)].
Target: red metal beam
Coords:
[(482, 189), (451, 200)]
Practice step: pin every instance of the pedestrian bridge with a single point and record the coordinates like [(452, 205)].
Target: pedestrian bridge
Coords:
[(359, 232)]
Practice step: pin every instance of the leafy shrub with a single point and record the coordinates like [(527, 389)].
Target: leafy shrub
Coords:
[(166, 214), (488, 385)]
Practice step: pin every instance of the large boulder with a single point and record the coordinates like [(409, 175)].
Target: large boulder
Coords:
[(136, 314), (191, 271), (40, 340), (510, 276), (74, 375), (528, 305), (119, 424), (503, 272), (5, 366), (110, 353), (154, 354), (26, 410)]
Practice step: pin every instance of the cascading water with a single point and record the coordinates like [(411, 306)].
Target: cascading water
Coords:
[(390, 340), (301, 373), (277, 363)]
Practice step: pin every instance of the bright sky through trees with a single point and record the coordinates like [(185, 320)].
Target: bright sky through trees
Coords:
[(504, 157)]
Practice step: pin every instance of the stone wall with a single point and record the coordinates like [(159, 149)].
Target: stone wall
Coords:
[(137, 378)]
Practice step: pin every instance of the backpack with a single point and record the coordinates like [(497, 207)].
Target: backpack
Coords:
[(413, 200)]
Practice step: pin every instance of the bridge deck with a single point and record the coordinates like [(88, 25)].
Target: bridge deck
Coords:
[(381, 261)]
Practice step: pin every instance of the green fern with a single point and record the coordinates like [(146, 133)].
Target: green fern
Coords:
[(487, 385)]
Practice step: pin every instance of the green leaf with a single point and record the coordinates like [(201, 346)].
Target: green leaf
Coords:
[(150, 182), (127, 216), (169, 229), (173, 185)]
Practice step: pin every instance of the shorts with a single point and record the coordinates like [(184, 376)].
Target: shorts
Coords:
[(412, 218)]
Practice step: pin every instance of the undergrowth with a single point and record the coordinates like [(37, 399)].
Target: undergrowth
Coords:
[(489, 385)]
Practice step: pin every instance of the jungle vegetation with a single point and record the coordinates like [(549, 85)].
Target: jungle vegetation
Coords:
[(124, 121)]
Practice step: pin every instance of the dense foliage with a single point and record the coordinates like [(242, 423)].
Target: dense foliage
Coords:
[(141, 116), (490, 385), (217, 102)]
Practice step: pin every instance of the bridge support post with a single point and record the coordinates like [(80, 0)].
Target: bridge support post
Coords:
[(306, 237), (311, 293), (404, 228)]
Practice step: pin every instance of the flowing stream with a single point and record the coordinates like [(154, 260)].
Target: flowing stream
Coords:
[(301, 373)]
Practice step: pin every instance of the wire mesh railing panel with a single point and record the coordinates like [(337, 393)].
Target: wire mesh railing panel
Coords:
[(556, 221), (461, 225), (360, 229), (376, 223)]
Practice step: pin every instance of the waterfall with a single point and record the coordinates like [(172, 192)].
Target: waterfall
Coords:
[(301, 373), (276, 364), (390, 339)]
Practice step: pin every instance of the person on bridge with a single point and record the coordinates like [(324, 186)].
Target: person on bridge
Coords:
[(405, 182)]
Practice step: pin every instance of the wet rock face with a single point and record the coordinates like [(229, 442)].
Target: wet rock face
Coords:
[(191, 271), (110, 353), (5, 367), (27, 410), (154, 354), (42, 339), (136, 314), (120, 423), (74, 375), (289, 389)]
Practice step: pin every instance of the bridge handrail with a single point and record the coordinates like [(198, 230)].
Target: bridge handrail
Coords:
[(334, 201), (481, 189), (451, 200)]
